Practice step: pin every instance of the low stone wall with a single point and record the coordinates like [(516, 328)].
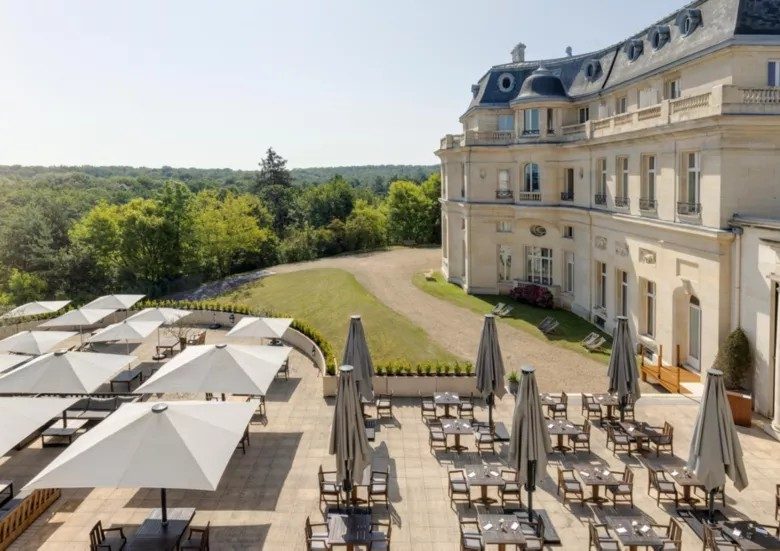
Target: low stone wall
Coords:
[(8, 330), (411, 386)]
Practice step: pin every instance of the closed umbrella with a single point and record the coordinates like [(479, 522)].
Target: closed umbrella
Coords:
[(224, 368), (623, 373), (184, 445), (357, 355), (715, 450), (34, 342), (529, 442), (348, 441), (252, 327), (79, 318), (490, 366), (36, 308)]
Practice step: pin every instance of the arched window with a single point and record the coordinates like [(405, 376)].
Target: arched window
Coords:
[(694, 333), (531, 178)]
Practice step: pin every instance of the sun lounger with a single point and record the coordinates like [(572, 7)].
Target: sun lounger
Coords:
[(497, 308), (548, 325), (97, 409), (505, 311), (429, 275), (592, 337), (592, 346)]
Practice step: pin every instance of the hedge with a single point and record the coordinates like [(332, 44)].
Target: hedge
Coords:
[(535, 295)]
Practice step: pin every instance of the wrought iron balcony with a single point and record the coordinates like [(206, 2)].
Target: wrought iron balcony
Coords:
[(600, 199), (648, 204), (688, 209), (567, 196), (622, 202), (504, 194)]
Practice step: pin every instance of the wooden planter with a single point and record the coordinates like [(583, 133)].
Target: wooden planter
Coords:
[(741, 407)]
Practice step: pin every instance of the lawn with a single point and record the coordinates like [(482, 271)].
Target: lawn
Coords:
[(325, 298), (571, 331)]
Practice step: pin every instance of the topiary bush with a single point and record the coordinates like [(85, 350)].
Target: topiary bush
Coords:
[(734, 359)]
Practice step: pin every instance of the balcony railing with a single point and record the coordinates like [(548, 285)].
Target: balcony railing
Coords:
[(688, 209), (529, 196), (622, 202), (648, 204), (567, 196), (531, 132), (600, 199), (504, 194)]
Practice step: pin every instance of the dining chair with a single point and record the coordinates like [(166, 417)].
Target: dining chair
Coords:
[(570, 485), (458, 487), (600, 538), (511, 487), (664, 487), (624, 491)]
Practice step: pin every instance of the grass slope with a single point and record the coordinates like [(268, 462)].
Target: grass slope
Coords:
[(571, 331), (326, 297)]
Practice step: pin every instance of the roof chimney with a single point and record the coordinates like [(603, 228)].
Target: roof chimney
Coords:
[(568, 51), (518, 53)]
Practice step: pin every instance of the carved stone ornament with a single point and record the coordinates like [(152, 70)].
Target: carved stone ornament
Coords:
[(621, 249), (646, 256), (538, 231), (600, 242)]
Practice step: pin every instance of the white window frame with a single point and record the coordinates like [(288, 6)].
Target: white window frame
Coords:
[(568, 232), (601, 284), (568, 181), (506, 123), (650, 179), (650, 308), (622, 293), (463, 180), (672, 88), (531, 184), (504, 179), (621, 173), (773, 73), (601, 169), (550, 121), (531, 121), (569, 273), (539, 265), (584, 115), (621, 105), (504, 226), (692, 177)]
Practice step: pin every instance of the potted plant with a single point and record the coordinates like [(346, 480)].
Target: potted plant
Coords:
[(514, 382), (735, 360), (458, 369)]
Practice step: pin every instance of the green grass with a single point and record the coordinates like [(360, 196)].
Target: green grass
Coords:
[(571, 331), (326, 297)]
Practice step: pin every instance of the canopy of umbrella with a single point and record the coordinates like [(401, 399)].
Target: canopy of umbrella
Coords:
[(715, 450), (260, 328), (79, 318), (490, 366), (21, 416), (357, 355), (127, 330), (114, 302), (166, 316), (222, 368), (529, 442), (64, 373), (623, 373), (348, 441), (9, 361), (183, 445), (36, 308), (34, 342)]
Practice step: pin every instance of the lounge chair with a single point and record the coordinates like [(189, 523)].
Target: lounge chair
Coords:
[(430, 276), (506, 311), (497, 308), (593, 346), (589, 339)]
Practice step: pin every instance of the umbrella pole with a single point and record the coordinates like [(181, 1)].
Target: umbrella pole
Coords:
[(529, 487), (490, 411), (347, 487), (164, 507), (622, 407), (711, 505)]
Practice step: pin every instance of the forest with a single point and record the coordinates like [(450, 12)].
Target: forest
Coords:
[(77, 232)]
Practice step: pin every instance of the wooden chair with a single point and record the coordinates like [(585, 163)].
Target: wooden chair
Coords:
[(485, 440), (569, 484), (533, 531), (316, 541), (623, 492), (329, 487), (560, 410), (663, 487), (198, 538), (511, 487), (665, 441), (458, 486), (436, 436), (628, 410), (715, 541), (599, 536), (284, 370), (104, 538), (470, 537), (581, 441), (673, 535), (591, 408), (380, 536), (428, 408), (466, 408), (243, 444), (384, 405), (619, 441), (377, 487)]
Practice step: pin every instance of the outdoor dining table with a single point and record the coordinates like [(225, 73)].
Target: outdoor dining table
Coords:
[(638, 432), (153, 535), (446, 399), (483, 476), (609, 401), (634, 532), (166, 345), (456, 427), (687, 480), (500, 530), (596, 476), (561, 428), (349, 529), (127, 377), (749, 537)]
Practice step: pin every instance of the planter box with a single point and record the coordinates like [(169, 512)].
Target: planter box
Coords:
[(741, 407), (411, 386)]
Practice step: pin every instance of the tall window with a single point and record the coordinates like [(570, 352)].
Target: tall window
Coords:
[(601, 285), (504, 226), (689, 195), (463, 179), (621, 166), (531, 177), (568, 276), (506, 123), (568, 190), (650, 308), (622, 293), (621, 105), (503, 179), (773, 73), (601, 182), (672, 88), (539, 265), (531, 121), (550, 122), (504, 263), (694, 333), (648, 182), (584, 114)]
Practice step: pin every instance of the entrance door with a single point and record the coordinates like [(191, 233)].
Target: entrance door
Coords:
[(694, 333)]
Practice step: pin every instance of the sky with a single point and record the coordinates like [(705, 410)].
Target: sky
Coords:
[(213, 84)]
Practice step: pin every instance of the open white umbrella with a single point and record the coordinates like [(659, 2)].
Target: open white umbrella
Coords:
[(260, 328), (223, 368), (490, 366), (166, 316), (184, 445), (79, 318), (622, 372), (357, 355), (36, 308), (127, 330), (34, 342), (116, 302), (20, 416), (9, 361), (64, 373)]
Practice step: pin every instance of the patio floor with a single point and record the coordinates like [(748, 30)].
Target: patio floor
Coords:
[(266, 494)]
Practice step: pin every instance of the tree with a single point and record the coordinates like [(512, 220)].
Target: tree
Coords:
[(273, 171), (281, 203), (734, 359), (97, 236), (147, 246), (174, 199), (25, 287), (327, 202), (408, 213), (366, 227), (432, 190)]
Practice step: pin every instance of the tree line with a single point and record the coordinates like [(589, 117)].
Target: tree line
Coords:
[(78, 234)]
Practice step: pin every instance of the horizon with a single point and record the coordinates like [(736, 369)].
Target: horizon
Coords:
[(192, 85)]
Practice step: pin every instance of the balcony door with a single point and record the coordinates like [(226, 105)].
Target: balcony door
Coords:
[(694, 334)]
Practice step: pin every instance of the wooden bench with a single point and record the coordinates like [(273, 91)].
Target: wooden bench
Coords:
[(18, 514)]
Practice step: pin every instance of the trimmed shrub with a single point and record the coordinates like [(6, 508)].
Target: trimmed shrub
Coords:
[(734, 359)]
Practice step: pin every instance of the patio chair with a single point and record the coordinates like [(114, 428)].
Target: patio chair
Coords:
[(329, 487), (560, 410), (619, 440), (595, 345), (673, 535), (466, 407), (599, 536), (592, 336), (510, 489), (497, 308), (714, 540), (623, 492), (570, 485), (198, 538), (316, 541), (317, 530), (485, 440), (284, 370), (628, 410), (377, 487), (384, 405), (581, 441), (436, 436), (104, 538), (428, 408), (470, 538), (663, 487), (458, 487), (664, 441), (505, 311), (591, 408), (243, 444), (533, 531), (380, 536)]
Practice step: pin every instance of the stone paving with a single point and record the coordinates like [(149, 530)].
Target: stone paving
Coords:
[(266, 494)]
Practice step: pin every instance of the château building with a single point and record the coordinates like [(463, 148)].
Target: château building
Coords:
[(640, 180)]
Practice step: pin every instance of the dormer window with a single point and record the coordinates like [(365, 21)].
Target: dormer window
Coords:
[(506, 82), (592, 70), (659, 36), (688, 20), (634, 49), (474, 90)]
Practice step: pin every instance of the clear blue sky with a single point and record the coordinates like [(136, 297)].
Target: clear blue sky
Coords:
[(213, 84)]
